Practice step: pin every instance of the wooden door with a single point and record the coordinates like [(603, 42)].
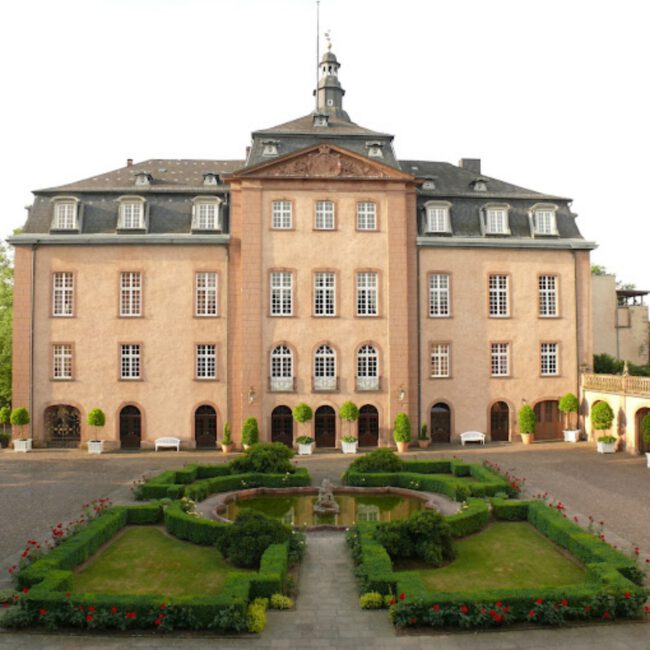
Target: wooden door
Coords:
[(368, 426), (325, 426), (282, 425), (205, 427), (130, 427), (440, 423), (500, 422), (549, 420)]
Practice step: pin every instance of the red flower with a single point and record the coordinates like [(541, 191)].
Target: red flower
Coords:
[(587, 608), (91, 609), (627, 595), (402, 596), (531, 614), (163, 606), (89, 617), (5, 605), (464, 609), (413, 620), (605, 614), (498, 604), (436, 608), (539, 601), (564, 602), (42, 612), (81, 608), (157, 622), (25, 590), (67, 594), (393, 601), (646, 609), (113, 610)]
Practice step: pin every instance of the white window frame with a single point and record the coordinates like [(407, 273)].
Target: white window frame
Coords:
[(281, 368), (65, 215), (440, 360), (439, 295), (63, 294), (206, 361), (367, 298), (366, 215), (325, 294), (132, 214), (548, 296), (130, 294), (130, 361), (367, 368), (496, 220), (325, 368), (500, 359), (281, 215), (499, 295), (324, 215), (61, 361), (544, 219), (549, 360), (206, 214), (281, 294), (206, 294), (437, 218)]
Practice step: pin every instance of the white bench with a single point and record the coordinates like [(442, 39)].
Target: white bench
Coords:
[(472, 436), (169, 441)]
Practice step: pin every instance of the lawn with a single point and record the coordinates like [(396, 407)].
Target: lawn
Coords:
[(505, 555), (145, 560)]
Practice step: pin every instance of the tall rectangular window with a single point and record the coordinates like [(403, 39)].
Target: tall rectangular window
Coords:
[(366, 216), (207, 215), (496, 221), (500, 359), (281, 293), (132, 215), (440, 360), (324, 215), (131, 294), (281, 216), (62, 294), (499, 299), (65, 215), (437, 218), (62, 361), (367, 294), (206, 361), (324, 294), (544, 222), (206, 294), (130, 365), (438, 295), (548, 295), (549, 359)]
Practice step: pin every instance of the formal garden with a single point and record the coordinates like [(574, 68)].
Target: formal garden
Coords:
[(485, 557)]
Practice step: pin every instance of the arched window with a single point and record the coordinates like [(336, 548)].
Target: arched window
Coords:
[(367, 368), (281, 368), (325, 368)]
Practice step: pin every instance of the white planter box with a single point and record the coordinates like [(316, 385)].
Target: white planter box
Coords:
[(647, 458), (606, 447), (349, 447), (95, 446), (23, 445), (305, 450), (571, 435)]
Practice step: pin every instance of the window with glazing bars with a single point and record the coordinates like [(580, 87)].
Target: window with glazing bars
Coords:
[(325, 362), (206, 294), (62, 361), (281, 218), (548, 295), (367, 294), (324, 215), (62, 294), (130, 294), (324, 294), (438, 295), (130, 361), (65, 215), (500, 361), (549, 360), (440, 360), (281, 362), (281, 293), (366, 216), (207, 215), (131, 213), (206, 361), (367, 362), (499, 302)]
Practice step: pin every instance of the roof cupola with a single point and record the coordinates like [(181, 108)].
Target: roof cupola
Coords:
[(330, 93)]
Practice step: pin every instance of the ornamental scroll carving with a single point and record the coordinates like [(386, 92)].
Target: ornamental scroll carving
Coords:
[(326, 163)]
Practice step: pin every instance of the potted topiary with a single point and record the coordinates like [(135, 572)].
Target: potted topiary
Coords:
[(302, 413), (249, 433), (602, 417), (569, 404), (305, 445), (527, 424), (423, 436), (226, 441), (645, 432), (402, 432), (20, 418), (96, 418), (350, 413), (5, 414)]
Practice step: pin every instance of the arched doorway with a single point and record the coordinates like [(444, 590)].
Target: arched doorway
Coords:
[(440, 422), (549, 420), (130, 427), (500, 422), (641, 446), (62, 426), (282, 425), (205, 427), (325, 426), (368, 427)]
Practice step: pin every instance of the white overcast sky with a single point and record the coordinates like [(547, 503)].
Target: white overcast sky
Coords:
[(552, 95)]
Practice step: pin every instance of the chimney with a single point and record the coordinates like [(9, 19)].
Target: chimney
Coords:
[(470, 164), (129, 162)]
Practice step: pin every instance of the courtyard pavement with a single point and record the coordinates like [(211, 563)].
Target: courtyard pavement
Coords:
[(40, 489)]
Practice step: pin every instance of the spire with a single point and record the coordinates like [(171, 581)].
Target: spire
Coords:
[(330, 94)]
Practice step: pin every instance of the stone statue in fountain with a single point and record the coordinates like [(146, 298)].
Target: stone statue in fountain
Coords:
[(326, 504)]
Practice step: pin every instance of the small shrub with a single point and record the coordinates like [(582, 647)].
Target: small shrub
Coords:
[(97, 419), (265, 458), (371, 600), (602, 416), (402, 428), (280, 601), (227, 437), (349, 412), (243, 543), (250, 433), (20, 418), (423, 435), (256, 615), (304, 440), (302, 413), (527, 419), (379, 460), (5, 438)]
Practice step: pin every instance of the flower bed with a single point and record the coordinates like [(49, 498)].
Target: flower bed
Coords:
[(612, 589)]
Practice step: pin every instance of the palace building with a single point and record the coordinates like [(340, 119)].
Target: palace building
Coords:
[(177, 295)]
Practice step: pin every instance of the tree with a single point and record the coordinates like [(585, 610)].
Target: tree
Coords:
[(6, 315), (402, 428), (569, 404), (96, 418), (602, 416), (599, 269), (20, 418), (250, 434), (350, 413), (527, 419), (302, 413), (5, 415)]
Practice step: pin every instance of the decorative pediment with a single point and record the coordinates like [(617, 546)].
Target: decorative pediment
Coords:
[(325, 161)]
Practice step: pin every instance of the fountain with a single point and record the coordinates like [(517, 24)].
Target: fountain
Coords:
[(326, 503)]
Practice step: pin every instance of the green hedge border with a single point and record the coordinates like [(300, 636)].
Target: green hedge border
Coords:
[(614, 580)]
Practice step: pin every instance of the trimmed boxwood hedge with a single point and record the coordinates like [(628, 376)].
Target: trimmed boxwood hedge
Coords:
[(470, 520)]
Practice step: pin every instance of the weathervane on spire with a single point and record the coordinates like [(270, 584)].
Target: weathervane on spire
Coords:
[(328, 38)]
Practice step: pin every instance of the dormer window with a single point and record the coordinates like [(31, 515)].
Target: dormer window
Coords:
[(210, 178), (131, 215), (544, 221), (495, 220), (321, 120), (429, 184), (143, 178), (206, 215), (479, 185), (437, 218), (270, 148), (65, 214), (375, 149)]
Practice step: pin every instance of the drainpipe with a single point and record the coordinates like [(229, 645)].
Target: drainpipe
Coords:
[(31, 339), (419, 349), (577, 314)]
